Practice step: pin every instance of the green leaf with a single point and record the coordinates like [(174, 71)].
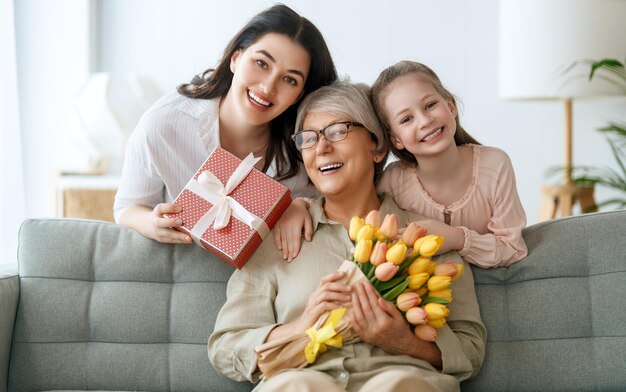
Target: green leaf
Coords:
[(393, 293), (392, 282), (436, 300), (605, 63)]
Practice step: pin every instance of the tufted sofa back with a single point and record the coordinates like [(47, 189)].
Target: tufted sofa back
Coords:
[(556, 320), (102, 307)]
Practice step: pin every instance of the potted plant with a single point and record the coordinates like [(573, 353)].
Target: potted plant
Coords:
[(615, 133)]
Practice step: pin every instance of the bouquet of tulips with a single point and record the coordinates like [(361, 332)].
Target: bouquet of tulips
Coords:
[(400, 268)]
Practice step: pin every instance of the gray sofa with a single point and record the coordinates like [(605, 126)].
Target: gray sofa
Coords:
[(99, 307)]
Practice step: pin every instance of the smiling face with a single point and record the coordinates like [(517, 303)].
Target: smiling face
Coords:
[(268, 77), (345, 167), (420, 118)]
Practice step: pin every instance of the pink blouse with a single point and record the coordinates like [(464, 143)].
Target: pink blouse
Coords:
[(490, 213)]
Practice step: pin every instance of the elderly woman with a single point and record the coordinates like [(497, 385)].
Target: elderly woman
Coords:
[(343, 150)]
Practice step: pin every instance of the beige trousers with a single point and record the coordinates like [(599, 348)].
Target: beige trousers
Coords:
[(313, 381)]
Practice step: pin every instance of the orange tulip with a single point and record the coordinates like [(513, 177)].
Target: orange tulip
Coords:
[(406, 301), (379, 253), (447, 269), (426, 332), (412, 232), (386, 271), (373, 218), (416, 315), (389, 228)]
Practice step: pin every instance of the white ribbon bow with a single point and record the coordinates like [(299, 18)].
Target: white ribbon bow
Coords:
[(211, 189)]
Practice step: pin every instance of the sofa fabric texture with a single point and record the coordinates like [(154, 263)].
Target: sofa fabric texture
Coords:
[(103, 308)]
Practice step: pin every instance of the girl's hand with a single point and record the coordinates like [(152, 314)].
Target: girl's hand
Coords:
[(288, 230), (454, 238), (379, 322), (152, 223), (329, 295)]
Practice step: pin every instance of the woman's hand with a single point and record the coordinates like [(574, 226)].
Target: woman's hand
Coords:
[(329, 295), (288, 229), (152, 223), (380, 323), (454, 237)]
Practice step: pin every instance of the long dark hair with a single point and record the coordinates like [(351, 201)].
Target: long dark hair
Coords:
[(215, 82), (379, 92)]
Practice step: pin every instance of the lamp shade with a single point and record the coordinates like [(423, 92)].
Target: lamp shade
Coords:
[(108, 108), (542, 42)]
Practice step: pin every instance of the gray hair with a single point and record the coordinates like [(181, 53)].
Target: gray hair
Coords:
[(344, 99), (352, 101)]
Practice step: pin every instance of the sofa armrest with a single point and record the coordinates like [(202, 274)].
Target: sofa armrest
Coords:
[(9, 295)]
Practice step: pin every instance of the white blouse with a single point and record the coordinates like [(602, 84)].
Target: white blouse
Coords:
[(170, 143)]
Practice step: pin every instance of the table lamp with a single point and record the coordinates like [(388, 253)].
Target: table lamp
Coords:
[(108, 108), (544, 49)]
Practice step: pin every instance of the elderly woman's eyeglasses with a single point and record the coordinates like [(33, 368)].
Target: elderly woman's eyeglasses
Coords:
[(334, 132)]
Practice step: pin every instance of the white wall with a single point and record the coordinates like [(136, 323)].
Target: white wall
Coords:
[(52, 46), (171, 40)]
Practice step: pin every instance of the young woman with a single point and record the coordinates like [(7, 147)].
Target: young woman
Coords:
[(246, 104)]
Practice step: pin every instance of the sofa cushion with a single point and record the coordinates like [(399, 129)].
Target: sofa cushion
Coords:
[(557, 319), (102, 307)]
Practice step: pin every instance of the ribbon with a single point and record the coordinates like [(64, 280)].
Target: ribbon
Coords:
[(211, 189), (325, 336)]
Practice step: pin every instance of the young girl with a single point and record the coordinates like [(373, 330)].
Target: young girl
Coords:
[(246, 104), (466, 190)]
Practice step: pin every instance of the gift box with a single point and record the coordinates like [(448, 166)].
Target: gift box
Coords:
[(229, 206)]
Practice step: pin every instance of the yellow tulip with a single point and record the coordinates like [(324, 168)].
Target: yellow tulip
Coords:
[(363, 250), (389, 228), (365, 233), (426, 332), (355, 225), (460, 269), (421, 264), (406, 301), (422, 291), (443, 294), (417, 280), (437, 323), (437, 283), (427, 246), (373, 218), (397, 252), (379, 253), (436, 311)]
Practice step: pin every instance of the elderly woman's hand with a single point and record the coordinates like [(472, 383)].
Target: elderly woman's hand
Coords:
[(377, 321), (329, 295)]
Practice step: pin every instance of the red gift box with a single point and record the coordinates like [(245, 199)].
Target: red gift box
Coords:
[(229, 192)]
